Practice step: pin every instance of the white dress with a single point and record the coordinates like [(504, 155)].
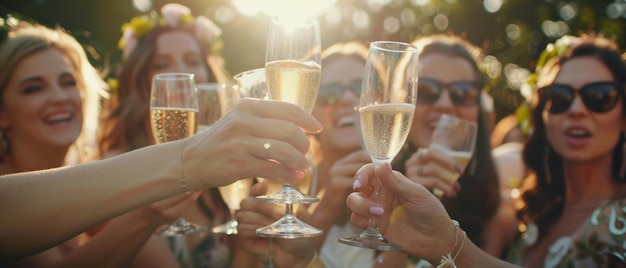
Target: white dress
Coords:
[(337, 255)]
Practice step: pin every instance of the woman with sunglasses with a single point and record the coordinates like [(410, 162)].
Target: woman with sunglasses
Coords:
[(450, 82), (574, 205), (576, 195)]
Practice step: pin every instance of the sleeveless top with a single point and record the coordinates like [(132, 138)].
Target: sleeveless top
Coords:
[(213, 251), (602, 235)]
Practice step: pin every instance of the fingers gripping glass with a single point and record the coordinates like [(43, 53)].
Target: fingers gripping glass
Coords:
[(331, 93), (386, 109), (173, 115), (292, 70), (462, 93), (598, 97)]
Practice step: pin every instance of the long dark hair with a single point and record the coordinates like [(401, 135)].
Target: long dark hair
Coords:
[(126, 121), (544, 198), (479, 199), (126, 124)]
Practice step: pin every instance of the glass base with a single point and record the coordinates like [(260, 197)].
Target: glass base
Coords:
[(182, 227), (229, 228), (370, 239), (288, 195), (289, 227)]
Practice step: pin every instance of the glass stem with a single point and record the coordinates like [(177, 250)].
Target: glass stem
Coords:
[(373, 221), (289, 209)]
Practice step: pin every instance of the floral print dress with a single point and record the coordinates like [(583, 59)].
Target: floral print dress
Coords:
[(602, 237)]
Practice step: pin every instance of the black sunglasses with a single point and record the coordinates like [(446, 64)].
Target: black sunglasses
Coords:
[(598, 97), (329, 94), (462, 93)]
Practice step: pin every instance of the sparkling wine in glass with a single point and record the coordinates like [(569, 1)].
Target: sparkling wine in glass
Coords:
[(386, 111), (292, 69), (232, 194), (173, 114), (457, 137)]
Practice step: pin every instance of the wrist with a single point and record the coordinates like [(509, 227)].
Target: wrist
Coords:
[(447, 259)]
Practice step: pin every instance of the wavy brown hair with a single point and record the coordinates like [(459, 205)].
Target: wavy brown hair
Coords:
[(479, 199), (544, 195)]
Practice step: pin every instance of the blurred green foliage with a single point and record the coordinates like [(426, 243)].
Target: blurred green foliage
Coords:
[(515, 32)]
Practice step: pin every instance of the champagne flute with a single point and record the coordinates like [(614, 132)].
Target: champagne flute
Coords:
[(386, 111), (292, 69), (232, 195), (250, 84), (457, 137), (215, 100), (173, 112)]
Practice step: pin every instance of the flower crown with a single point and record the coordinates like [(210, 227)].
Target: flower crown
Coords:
[(172, 15), (556, 49)]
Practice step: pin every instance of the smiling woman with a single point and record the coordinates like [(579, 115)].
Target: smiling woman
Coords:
[(49, 100)]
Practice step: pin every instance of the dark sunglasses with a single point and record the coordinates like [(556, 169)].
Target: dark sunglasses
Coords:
[(462, 93), (598, 97), (329, 94)]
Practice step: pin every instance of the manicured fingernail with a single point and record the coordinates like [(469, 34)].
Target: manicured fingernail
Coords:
[(357, 183), (298, 174), (376, 210), (458, 168), (319, 126)]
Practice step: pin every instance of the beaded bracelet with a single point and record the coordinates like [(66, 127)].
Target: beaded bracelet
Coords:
[(447, 261), (182, 183)]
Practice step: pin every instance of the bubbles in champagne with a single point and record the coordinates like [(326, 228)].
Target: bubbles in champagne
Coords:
[(170, 124), (294, 82), (385, 128)]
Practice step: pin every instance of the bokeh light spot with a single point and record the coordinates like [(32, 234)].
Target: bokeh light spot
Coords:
[(391, 25), (441, 22), (142, 5), (513, 33), (567, 12), (492, 6)]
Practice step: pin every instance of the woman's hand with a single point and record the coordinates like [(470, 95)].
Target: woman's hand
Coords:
[(409, 215), (255, 214), (433, 168), (257, 138), (166, 211)]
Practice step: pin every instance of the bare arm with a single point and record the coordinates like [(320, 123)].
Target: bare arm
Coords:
[(67, 201)]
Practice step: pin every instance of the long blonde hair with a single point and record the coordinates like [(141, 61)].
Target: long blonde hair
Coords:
[(25, 40)]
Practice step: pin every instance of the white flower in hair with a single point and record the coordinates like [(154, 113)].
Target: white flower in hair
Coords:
[(173, 13), (206, 30), (130, 41)]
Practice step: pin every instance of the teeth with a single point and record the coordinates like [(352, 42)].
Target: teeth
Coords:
[(346, 120), (59, 117)]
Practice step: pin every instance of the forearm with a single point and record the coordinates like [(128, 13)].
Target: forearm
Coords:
[(116, 245), (67, 201)]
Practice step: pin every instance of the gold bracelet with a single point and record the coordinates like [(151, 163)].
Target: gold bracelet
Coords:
[(182, 183), (447, 261)]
